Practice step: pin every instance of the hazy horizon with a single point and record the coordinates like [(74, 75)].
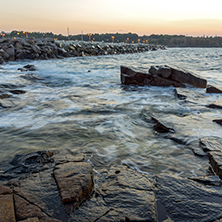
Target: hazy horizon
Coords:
[(193, 18)]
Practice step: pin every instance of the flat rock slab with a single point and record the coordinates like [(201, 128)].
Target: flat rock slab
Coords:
[(37, 195), (186, 200), (185, 127), (7, 212), (211, 144), (75, 181), (125, 196)]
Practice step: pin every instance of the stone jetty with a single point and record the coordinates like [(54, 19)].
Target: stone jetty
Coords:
[(48, 48)]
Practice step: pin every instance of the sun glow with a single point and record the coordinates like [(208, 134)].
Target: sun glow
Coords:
[(141, 16)]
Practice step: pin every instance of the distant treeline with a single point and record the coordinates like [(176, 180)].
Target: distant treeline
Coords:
[(167, 40)]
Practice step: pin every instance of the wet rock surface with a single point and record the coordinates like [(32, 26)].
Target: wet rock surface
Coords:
[(161, 76), (53, 186)]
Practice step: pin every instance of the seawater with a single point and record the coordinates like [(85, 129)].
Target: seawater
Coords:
[(78, 104)]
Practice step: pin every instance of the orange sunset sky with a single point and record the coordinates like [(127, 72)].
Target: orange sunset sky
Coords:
[(145, 17)]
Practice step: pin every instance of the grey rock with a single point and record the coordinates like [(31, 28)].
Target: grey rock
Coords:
[(162, 126), (186, 200), (4, 54)]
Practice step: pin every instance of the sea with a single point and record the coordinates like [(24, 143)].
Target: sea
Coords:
[(79, 105)]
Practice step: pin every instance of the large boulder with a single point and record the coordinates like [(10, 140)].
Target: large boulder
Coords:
[(4, 54), (160, 76)]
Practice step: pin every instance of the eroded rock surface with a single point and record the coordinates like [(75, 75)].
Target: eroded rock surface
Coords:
[(75, 181), (185, 200), (6, 205)]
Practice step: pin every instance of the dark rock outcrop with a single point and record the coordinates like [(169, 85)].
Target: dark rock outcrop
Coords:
[(218, 121), (213, 89), (216, 105), (160, 76)]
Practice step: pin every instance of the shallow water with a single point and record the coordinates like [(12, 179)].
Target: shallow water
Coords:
[(79, 104)]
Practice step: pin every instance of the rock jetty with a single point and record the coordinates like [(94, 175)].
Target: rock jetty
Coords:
[(48, 48)]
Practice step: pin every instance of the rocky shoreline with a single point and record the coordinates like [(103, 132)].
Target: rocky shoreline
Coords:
[(48, 48), (63, 186), (70, 185)]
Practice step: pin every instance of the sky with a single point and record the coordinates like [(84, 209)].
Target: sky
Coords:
[(144, 17)]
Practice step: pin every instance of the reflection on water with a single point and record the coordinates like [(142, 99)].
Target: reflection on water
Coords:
[(68, 107)]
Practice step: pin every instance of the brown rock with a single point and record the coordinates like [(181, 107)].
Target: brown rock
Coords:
[(75, 181), (32, 219), (132, 76), (6, 205), (159, 81), (187, 77), (215, 158), (25, 209), (213, 89), (164, 71)]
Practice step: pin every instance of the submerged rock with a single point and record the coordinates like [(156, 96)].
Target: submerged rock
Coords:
[(161, 126)]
